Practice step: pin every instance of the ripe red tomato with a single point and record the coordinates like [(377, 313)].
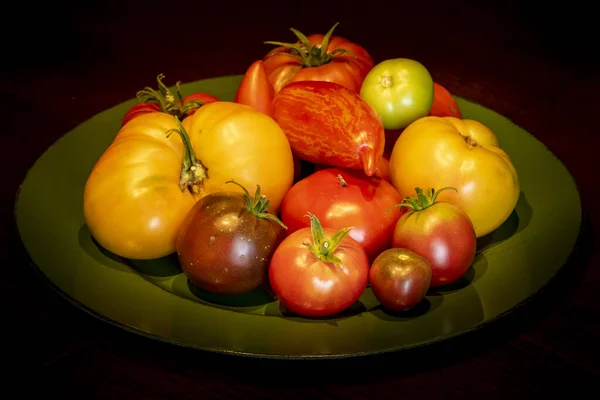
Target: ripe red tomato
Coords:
[(318, 57), (439, 231), (226, 242), (317, 272), (255, 89), (328, 124), (341, 198), (444, 104), (400, 278)]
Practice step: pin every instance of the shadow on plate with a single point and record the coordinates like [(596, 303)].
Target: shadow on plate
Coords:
[(99, 253), (516, 222), (253, 298)]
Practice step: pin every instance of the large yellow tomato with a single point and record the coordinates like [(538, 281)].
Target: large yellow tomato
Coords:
[(143, 186), (439, 152)]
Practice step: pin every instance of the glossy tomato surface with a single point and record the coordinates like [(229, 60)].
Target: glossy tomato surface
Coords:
[(318, 57), (147, 180), (444, 235), (328, 124), (311, 287), (400, 90), (400, 278), (341, 198), (464, 154), (225, 249)]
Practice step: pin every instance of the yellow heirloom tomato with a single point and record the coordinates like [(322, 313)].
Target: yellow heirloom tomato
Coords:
[(439, 152), (145, 183)]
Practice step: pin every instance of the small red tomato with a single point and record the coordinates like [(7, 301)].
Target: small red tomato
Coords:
[(400, 278), (255, 89), (439, 231), (444, 104), (329, 124), (317, 272), (340, 198)]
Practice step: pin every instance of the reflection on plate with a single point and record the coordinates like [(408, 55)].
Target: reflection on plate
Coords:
[(154, 298)]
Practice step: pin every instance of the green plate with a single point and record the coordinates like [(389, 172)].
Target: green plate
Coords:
[(154, 298)]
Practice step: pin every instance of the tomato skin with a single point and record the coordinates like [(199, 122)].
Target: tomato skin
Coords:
[(255, 89), (223, 248), (400, 278), (133, 203), (401, 91), (361, 203), (446, 151), (444, 235), (344, 69), (236, 141), (444, 104), (310, 287), (326, 123), (139, 109)]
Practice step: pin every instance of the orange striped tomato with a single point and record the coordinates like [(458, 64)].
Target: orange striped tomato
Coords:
[(330, 125)]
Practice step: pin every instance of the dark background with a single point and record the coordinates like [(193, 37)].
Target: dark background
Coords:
[(533, 62)]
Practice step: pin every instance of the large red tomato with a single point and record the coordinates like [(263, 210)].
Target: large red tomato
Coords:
[(341, 198), (317, 272), (318, 57)]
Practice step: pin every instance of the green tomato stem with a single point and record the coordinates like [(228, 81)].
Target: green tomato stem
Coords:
[(310, 55), (192, 170), (258, 205), (421, 200), (322, 247)]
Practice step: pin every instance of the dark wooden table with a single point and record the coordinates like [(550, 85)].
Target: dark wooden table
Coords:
[(538, 66)]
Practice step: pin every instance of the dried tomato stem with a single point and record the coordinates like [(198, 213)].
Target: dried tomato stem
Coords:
[(192, 170)]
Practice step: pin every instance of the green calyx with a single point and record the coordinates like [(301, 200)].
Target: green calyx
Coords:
[(421, 200), (192, 170), (310, 55), (259, 204), (167, 101), (322, 247)]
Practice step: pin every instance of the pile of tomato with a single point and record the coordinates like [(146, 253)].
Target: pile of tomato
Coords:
[(327, 174)]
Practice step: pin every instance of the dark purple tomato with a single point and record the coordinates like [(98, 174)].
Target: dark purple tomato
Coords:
[(400, 278), (226, 242)]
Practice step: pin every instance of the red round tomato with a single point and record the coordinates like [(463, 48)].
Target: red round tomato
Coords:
[(400, 278), (255, 89), (439, 231), (139, 109), (341, 198), (317, 272), (318, 57)]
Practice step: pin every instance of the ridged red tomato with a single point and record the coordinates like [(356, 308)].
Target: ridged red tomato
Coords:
[(318, 57), (341, 198)]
